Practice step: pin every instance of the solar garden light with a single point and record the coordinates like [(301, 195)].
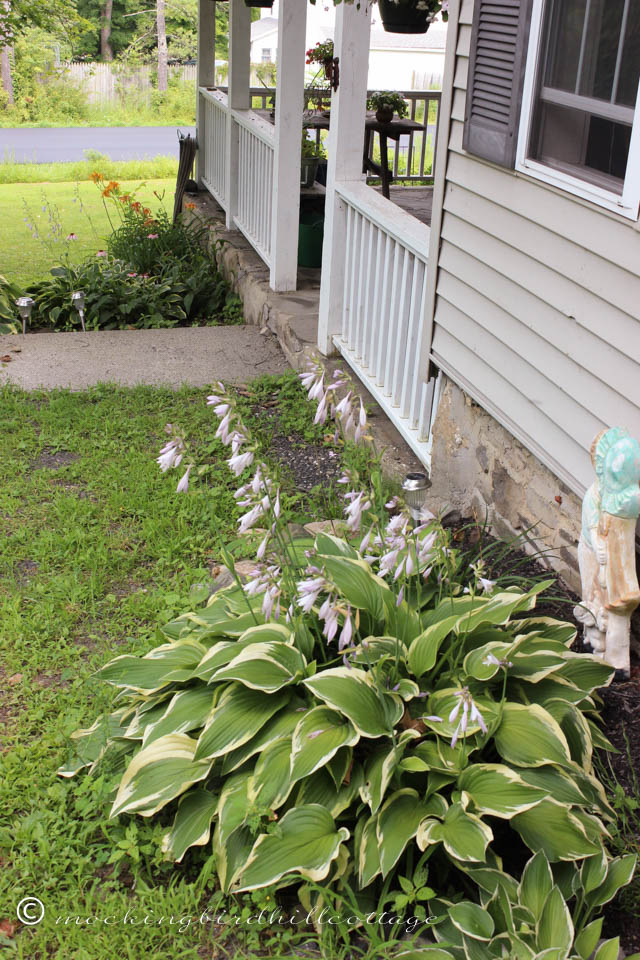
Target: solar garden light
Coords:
[(77, 299), (414, 489), (25, 305)]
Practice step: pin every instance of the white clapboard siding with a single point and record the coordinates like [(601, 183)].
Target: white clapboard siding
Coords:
[(537, 307)]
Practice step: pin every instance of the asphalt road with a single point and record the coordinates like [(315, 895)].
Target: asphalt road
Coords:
[(60, 144)]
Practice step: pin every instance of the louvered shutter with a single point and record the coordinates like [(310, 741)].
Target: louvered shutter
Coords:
[(496, 73)]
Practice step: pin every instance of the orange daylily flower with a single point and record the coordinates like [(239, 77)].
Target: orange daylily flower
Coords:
[(95, 176)]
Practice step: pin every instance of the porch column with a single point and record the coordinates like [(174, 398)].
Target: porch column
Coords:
[(292, 26), (206, 76), (239, 94), (344, 147)]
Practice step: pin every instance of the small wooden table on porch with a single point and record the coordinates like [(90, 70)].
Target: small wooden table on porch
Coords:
[(392, 130)]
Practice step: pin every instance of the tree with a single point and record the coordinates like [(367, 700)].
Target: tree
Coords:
[(5, 52), (106, 50), (163, 56)]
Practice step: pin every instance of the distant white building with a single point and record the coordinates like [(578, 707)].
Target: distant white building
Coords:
[(397, 61)]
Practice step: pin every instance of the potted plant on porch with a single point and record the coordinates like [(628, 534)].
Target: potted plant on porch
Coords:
[(411, 16), (386, 103)]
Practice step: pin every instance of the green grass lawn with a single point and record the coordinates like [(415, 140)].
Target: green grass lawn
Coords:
[(97, 550), (79, 209)]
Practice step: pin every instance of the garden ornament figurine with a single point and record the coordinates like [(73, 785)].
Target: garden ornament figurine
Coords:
[(607, 549)]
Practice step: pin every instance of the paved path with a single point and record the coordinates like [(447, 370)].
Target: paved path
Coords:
[(61, 144), (192, 355)]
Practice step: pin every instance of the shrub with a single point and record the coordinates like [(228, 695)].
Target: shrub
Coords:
[(406, 734), (154, 274), (8, 313)]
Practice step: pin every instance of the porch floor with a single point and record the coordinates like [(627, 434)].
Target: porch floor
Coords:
[(415, 200)]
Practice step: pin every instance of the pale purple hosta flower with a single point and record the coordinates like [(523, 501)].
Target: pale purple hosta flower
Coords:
[(492, 659), (271, 597), (253, 588), (321, 412), (400, 596), (343, 409), (240, 461), (276, 506), (183, 485), (250, 518), (262, 549), (486, 585), (388, 562), (224, 427), (171, 455), (238, 437), (314, 734), (329, 613), (354, 510), (309, 591), (392, 503), (347, 631), (366, 540), (362, 423), (221, 409), (469, 712)]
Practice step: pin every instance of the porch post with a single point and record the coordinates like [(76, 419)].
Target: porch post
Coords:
[(292, 25), (346, 138), (206, 76), (239, 94)]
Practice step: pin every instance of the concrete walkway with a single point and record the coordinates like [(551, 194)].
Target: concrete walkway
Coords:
[(193, 355)]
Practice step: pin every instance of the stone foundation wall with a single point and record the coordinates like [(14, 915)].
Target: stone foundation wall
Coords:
[(479, 469)]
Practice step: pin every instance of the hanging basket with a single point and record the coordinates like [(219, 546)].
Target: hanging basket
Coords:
[(403, 17), (259, 3)]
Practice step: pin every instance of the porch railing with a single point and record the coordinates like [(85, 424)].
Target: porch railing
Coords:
[(255, 180), (383, 308), (214, 115), (413, 157)]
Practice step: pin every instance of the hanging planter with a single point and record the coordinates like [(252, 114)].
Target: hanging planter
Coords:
[(259, 3), (404, 16)]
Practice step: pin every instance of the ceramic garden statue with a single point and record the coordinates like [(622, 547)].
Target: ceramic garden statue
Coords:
[(607, 550)]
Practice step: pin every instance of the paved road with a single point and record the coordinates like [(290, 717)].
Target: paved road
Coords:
[(54, 144)]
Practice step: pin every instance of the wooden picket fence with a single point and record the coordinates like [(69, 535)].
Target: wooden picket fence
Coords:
[(108, 83)]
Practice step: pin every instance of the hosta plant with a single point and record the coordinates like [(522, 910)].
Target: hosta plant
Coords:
[(366, 713)]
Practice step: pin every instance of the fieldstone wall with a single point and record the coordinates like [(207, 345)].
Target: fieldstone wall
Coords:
[(479, 469)]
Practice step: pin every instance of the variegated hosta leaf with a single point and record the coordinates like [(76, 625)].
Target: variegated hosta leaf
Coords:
[(536, 884), (500, 608), (475, 665), (320, 788), (148, 712), (497, 790), (170, 663), (271, 783), (378, 773), (555, 928), (575, 728), (188, 710), (528, 736), (353, 693), (233, 805), (464, 835), (619, 873), (304, 843), (567, 785), (442, 702), (551, 827), (158, 774), (549, 628), (318, 736), (585, 671), (232, 855), (357, 583), (267, 666), (441, 757), (424, 649), (237, 717), (192, 825), (587, 939), (397, 824), (369, 852), (217, 656), (281, 725), (91, 742), (472, 920)]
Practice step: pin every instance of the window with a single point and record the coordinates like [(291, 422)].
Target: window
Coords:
[(266, 54), (580, 126)]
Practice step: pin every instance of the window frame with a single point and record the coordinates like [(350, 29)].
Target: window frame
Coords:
[(626, 204)]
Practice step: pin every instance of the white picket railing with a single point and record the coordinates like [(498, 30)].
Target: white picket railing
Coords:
[(255, 180), (214, 112), (383, 309)]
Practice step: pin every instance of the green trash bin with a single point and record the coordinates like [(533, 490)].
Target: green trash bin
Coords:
[(310, 237)]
